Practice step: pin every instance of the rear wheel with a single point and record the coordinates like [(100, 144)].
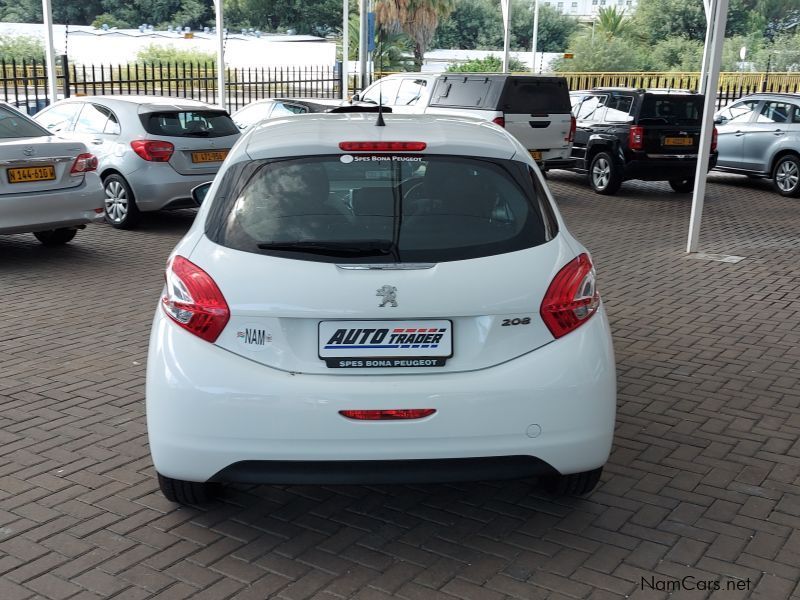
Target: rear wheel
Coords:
[(187, 492), (682, 186), (120, 205), (55, 237), (604, 177), (574, 484), (786, 176)]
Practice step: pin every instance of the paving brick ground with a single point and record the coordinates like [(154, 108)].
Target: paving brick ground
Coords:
[(702, 483)]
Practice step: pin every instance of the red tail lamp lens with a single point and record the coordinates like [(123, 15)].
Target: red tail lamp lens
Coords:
[(499, 121), (153, 150), (572, 297), (636, 138), (383, 146), (194, 301), (83, 164), (388, 415)]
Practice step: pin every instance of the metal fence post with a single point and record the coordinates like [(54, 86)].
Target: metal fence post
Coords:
[(65, 69)]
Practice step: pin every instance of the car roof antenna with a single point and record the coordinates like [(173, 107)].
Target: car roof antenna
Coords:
[(380, 122)]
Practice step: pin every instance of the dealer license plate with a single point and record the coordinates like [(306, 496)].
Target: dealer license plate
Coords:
[(209, 156), (536, 154), (678, 141), (385, 344), (26, 174)]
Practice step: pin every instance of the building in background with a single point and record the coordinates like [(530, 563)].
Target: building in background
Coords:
[(586, 10)]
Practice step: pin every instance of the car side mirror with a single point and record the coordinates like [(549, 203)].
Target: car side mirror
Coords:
[(355, 98), (719, 120), (199, 193)]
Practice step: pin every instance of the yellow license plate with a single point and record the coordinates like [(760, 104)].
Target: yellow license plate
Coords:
[(209, 156), (536, 154), (678, 141), (26, 174)]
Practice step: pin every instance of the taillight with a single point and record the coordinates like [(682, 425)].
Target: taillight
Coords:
[(83, 164), (714, 139), (153, 150), (636, 138), (383, 146), (194, 301), (499, 121), (387, 415), (572, 297), (572, 127)]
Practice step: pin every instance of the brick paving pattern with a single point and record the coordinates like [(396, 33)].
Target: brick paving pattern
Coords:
[(702, 482)]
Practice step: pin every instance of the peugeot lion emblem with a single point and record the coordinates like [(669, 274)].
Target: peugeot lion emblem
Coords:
[(389, 293), (28, 151)]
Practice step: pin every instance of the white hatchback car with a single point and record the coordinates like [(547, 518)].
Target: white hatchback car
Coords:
[(378, 304)]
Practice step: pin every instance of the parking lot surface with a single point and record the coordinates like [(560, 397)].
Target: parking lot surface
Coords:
[(702, 490)]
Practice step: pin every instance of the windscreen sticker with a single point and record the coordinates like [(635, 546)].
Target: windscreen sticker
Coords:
[(253, 337), (380, 158)]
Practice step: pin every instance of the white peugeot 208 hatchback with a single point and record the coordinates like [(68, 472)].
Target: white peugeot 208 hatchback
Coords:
[(358, 303)]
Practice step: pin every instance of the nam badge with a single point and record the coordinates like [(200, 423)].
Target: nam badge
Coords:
[(253, 337)]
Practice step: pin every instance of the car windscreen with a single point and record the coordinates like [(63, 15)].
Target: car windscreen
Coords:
[(185, 123), (14, 125), (672, 109), (381, 208), (531, 95)]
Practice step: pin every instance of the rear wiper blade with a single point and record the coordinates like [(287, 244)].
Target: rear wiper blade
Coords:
[(333, 248)]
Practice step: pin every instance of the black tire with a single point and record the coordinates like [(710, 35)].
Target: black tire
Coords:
[(682, 186), (55, 237), (120, 204), (786, 176), (604, 176), (187, 492), (575, 484)]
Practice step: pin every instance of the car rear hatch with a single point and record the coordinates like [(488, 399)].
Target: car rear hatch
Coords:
[(537, 112), (670, 124), (201, 137), (38, 164), (383, 264)]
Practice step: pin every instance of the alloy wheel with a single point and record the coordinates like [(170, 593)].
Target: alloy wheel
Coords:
[(787, 175), (601, 173), (116, 201)]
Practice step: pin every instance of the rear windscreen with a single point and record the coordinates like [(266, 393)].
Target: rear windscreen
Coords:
[(672, 109), (381, 208), (14, 125), (535, 96), (200, 123)]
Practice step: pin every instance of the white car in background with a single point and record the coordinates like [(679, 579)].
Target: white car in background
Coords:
[(357, 303), (48, 186)]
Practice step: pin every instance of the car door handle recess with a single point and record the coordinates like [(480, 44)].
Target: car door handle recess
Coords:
[(539, 124)]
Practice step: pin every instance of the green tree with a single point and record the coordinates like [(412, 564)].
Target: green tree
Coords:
[(676, 54), (611, 22), (317, 17), (21, 48), (490, 64), (656, 20), (393, 51), (597, 53), (418, 19), (110, 20), (783, 54)]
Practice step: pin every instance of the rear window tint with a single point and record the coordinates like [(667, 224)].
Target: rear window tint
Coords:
[(412, 208), (200, 123), (14, 125), (467, 92), (672, 109), (536, 96)]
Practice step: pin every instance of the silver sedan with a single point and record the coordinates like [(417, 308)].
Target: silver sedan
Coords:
[(152, 150), (48, 186)]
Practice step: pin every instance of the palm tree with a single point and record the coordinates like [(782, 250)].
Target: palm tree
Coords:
[(417, 18), (611, 22)]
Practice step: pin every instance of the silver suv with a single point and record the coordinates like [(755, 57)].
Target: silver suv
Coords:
[(759, 136), (152, 150)]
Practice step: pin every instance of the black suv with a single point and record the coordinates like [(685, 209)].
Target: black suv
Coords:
[(626, 133)]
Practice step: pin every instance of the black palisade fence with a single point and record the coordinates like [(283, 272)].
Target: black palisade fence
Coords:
[(24, 84)]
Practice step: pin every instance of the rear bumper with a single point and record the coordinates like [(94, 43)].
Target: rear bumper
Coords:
[(559, 163), (209, 411), (158, 186), (664, 169), (44, 211)]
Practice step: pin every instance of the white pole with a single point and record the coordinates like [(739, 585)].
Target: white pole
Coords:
[(506, 6), (362, 43), (345, 47), (220, 55), (714, 37), (535, 43), (50, 54)]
